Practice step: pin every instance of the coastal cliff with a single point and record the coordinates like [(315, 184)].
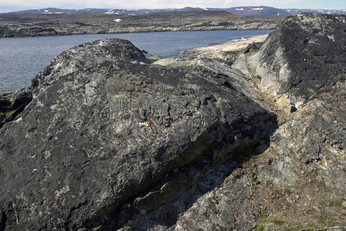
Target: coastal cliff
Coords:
[(113, 139)]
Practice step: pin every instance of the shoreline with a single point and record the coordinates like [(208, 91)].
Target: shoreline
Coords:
[(134, 32), (12, 26), (186, 52), (227, 51), (223, 49)]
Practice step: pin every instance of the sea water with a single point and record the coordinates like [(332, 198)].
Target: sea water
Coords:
[(22, 58)]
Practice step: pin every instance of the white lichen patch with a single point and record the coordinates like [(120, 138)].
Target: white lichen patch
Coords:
[(62, 191), (90, 90), (331, 37), (47, 154)]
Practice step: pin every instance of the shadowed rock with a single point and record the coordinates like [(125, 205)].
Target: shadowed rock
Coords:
[(13, 103), (303, 168), (79, 151), (78, 158)]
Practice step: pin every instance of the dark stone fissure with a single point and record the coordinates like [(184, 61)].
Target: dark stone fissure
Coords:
[(3, 219), (177, 173)]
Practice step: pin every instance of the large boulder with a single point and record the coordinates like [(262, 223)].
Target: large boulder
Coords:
[(106, 129)]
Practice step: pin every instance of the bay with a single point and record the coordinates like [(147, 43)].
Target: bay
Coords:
[(22, 58)]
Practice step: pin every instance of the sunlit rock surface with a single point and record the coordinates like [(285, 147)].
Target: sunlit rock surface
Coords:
[(115, 140)]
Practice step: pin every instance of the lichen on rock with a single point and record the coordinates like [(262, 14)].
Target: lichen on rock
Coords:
[(86, 112), (228, 148)]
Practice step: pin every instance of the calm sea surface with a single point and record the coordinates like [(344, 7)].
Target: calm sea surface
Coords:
[(22, 58)]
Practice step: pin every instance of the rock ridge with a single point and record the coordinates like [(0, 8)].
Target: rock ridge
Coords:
[(297, 65)]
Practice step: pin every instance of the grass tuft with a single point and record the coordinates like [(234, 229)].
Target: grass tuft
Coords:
[(277, 221), (335, 203), (321, 219), (261, 227)]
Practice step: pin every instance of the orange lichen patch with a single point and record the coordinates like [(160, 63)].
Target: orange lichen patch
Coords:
[(264, 192)]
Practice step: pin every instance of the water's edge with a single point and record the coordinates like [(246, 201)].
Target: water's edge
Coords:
[(22, 58)]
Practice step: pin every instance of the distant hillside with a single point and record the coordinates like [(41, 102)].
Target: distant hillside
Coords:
[(22, 25), (100, 11), (243, 10), (264, 10)]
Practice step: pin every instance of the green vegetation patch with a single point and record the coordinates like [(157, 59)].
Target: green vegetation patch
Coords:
[(9, 114), (261, 227), (333, 203), (265, 220), (320, 218)]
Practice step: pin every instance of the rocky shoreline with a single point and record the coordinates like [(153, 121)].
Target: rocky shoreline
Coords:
[(21, 25), (250, 139)]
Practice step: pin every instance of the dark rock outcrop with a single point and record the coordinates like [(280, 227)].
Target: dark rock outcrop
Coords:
[(80, 154), (305, 54), (113, 141), (299, 181), (3, 219)]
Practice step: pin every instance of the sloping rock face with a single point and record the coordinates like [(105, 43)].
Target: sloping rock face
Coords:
[(227, 149), (306, 53), (78, 158), (298, 182), (306, 158)]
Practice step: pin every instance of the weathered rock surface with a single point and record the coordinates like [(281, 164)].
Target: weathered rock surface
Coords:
[(77, 154), (336, 228), (299, 180), (272, 227), (225, 50), (222, 153), (306, 53)]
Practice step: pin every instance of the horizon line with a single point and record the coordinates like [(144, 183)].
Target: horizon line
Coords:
[(168, 8)]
